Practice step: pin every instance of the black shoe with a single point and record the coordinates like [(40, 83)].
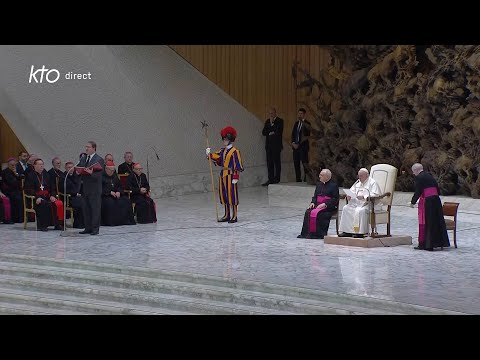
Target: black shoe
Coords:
[(85, 232), (344, 234), (299, 180), (301, 236), (266, 183), (429, 249), (94, 233), (232, 221), (419, 248), (8, 222), (358, 236), (58, 227), (223, 220), (43, 229)]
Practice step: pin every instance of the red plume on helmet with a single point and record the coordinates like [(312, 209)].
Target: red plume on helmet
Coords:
[(229, 132)]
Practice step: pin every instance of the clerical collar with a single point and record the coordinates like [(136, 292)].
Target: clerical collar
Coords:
[(229, 146)]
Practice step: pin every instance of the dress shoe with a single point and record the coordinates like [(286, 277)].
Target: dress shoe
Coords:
[(429, 249), (232, 221), (266, 183), (85, 232), (344, 234), (358, 236), (223, 220), (301, 236), (94, 233), (58, 227), (419, 248), (43, 229)]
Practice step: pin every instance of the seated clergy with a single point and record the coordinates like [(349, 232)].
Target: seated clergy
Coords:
[(12, 188), (144, 205), (127, 166), (74, 184), (324, 204), (116, 209), (5, 208), (56, 175), (49, 210), (107, 158), (30, 162), (356, 214)]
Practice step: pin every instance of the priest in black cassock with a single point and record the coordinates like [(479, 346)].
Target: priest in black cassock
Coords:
[(144, 204), (324, 204), (57, 177), (5, 207), (127, 166), (49, 210), (30, 162), (116, 209), (74, 184), (12, 188), (432, 230)]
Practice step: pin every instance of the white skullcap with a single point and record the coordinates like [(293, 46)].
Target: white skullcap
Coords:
[(364, 170)]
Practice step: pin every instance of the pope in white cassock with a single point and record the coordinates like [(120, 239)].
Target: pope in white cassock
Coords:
[(356, 214)]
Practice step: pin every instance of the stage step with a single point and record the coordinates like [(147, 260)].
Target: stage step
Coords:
[(51, 285)]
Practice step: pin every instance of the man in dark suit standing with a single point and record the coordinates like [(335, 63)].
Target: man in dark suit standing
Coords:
[(273, 131), (92, 189), (300, 133)]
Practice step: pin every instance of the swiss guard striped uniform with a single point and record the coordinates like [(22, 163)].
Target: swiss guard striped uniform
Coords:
[(230, 160)]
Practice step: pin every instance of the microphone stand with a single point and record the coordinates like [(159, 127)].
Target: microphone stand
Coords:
[(64, 202), (148, 169)]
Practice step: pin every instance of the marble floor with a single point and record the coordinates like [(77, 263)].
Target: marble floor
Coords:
[(263, 247)]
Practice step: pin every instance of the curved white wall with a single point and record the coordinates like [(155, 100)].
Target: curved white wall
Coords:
[(138, 97)]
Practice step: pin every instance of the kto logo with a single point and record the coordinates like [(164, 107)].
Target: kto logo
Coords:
[(51, 75)]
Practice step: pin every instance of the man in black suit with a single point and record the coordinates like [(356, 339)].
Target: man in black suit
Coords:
[(300, 133), (273, 131), (92, 189), (22, 162)]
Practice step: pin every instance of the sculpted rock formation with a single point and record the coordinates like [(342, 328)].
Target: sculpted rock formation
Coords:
[(397, 104)]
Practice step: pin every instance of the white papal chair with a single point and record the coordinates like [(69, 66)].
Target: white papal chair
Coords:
[(386, 176)]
